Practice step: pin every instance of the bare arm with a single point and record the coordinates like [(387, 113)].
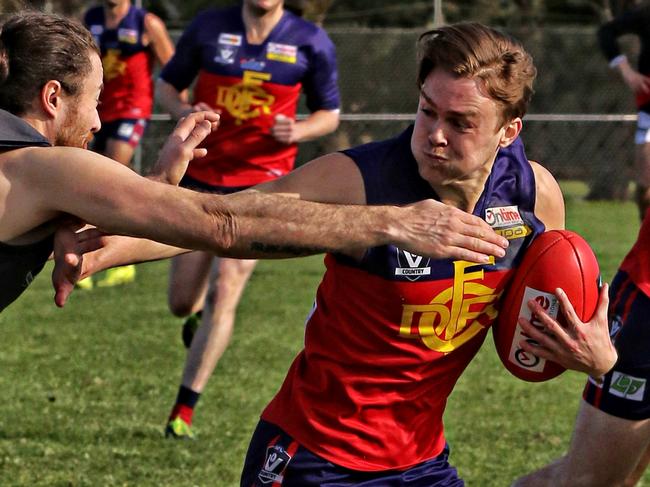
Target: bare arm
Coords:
[(158, 37), (319, 123), (175, 102), (549, 203)]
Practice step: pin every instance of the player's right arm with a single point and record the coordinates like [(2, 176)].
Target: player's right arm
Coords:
[(158, 37), (179, 73), (175, 102), (633, 21), (426, 228)]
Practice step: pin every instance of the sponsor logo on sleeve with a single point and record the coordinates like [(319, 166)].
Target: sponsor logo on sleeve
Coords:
[(130, 36), (507, 222), (627, 386), (411, 266), (284, 53), (275, 463), (96, 29), (517, 355)]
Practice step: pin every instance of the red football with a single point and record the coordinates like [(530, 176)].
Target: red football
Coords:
[(555, 259)]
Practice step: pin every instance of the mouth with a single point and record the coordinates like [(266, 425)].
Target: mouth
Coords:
[(437, 158)]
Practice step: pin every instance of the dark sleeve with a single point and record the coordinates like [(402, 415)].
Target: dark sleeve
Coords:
[(184, 65), (633, 21), (321, 81)]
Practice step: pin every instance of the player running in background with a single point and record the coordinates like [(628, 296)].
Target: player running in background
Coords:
[(251, 63), (391, 331), (48, 113), (610, 446), (634, 21), (130, 40)]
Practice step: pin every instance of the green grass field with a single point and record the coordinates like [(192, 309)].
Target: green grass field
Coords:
[(86, 390)]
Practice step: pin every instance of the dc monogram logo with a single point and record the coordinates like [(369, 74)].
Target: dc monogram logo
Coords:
[(276, 461)]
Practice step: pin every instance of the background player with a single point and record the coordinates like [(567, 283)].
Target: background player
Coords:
[(634, 21), (251, 63), (130, 40)]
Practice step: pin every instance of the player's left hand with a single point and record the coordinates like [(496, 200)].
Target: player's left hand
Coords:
[(585, 347), (70, 244), (285, 130), (182, 146)]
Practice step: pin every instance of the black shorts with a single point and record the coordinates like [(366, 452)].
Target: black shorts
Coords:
[(624, 392), (276, 459), (129, 130)]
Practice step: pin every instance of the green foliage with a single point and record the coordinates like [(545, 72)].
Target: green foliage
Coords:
[(87, 389)]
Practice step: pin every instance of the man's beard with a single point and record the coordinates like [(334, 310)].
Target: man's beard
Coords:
[(70, 136)]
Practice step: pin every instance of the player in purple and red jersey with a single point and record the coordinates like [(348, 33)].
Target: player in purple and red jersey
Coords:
[(615, 410), (130, 40), (391, 331), (634, 21), (250, 63)]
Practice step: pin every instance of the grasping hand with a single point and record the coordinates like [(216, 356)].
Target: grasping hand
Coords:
[(182, 146), (441, 231), (285, 129), (585, 347), (69, 247)]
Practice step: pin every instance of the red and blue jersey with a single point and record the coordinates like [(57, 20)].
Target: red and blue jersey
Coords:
[(637, 262), (127, 63), (390, 334), (250, 84)]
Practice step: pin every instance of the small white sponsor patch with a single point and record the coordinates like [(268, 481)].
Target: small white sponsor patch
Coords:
[(230, 39), (96, 30), (503, 216), (125, 130), (517, 355), (130, 36), (627, 386), (285, 53)]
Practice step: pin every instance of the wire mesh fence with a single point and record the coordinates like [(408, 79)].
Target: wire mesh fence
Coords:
[(580, 125)]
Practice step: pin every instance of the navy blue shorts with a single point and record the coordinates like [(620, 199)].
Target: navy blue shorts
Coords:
[(275, 459), (129, 130), (196, 185), (624, 392)]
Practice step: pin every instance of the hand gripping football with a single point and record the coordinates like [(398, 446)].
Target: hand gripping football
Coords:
[(555, 259)]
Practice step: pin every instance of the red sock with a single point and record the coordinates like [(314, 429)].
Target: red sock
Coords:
[(182, 411)]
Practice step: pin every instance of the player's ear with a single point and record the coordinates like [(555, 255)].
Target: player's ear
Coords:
[(52, 97), (510, 131)]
